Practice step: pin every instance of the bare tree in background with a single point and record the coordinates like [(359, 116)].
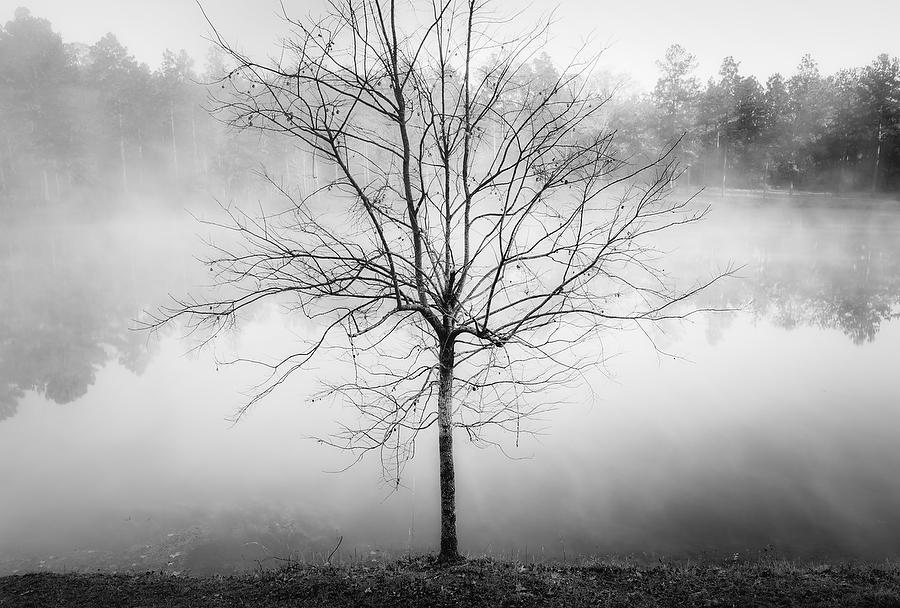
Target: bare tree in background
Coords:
[(467, 233)]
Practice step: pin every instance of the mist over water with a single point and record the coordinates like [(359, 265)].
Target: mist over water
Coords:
[(768, 428), (765, 425)]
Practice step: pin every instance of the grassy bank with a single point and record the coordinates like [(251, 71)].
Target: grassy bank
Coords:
[(421, 582)]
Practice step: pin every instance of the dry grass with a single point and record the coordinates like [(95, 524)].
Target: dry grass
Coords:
[(478, 582)]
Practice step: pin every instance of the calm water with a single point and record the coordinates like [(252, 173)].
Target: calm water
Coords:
[(772, 428)]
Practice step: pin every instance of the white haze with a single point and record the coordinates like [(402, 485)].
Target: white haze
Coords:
[(759, 433)]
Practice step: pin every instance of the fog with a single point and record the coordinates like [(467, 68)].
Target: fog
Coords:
[(765, 426), (766, 429)]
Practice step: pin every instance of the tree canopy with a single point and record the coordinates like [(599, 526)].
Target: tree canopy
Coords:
[(468, 235)]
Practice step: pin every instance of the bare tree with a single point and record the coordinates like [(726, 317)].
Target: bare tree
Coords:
[(475, 231)]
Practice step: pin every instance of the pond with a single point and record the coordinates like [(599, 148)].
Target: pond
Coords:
[(771, 427)]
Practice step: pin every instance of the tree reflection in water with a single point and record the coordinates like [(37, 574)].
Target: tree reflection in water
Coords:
[(855, 294), (806, 267), (54, 338), (70, 294), (71, 289)]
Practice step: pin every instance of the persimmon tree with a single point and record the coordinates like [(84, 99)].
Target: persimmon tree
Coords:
[(466, 232)]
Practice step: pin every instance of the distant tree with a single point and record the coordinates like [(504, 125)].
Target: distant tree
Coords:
[(631, 113), (38, 129), (880, 100), (459, 277), (809, 109), (745, 131), (724, 99), (776, 132), (124, 89), (846, 141), (718, 114), (177, 94), (676, 93)]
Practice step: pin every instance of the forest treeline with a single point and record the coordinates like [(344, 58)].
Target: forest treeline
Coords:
[(837, 133), (89, 125)]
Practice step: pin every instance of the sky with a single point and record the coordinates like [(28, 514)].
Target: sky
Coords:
[(766, 36)]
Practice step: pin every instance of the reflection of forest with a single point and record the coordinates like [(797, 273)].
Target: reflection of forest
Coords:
[(831, 296), (72, 287), (825, 268), (71, 292)]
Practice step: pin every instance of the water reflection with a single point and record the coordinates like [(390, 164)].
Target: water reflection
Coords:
[(71, 291), (768, 436), (857, 310), (836, 266), (74, 286)]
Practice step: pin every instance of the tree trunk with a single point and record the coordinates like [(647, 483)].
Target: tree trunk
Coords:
[(46, 185), (449, 542), (140, 135), (724, 168), (174, 145), (194, 139), (878, 137), (122, 156), (3, 162)]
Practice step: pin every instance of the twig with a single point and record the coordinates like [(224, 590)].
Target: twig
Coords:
[(336, 547)]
